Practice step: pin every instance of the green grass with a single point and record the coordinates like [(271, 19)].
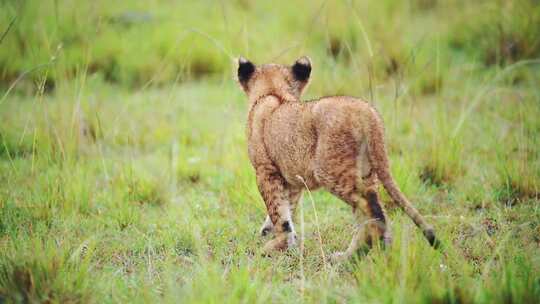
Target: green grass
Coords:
[(124, 174)]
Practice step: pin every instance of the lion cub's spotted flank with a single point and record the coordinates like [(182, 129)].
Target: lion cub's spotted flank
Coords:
[(335, 143)]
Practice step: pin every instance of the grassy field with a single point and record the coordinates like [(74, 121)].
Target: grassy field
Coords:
[(124, 174)]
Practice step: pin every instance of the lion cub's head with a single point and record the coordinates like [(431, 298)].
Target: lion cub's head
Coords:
[(285, 82)]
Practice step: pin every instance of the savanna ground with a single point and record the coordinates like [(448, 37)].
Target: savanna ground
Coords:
[(124, 174)]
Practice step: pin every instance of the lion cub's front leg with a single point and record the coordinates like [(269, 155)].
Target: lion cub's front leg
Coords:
[(275, 193), (294, 197)]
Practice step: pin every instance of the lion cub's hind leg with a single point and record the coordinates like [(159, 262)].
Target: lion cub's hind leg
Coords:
[(378, 227), (359, 239), (371, 223)]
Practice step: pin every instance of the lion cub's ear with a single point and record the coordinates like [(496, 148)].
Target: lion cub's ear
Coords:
[(245, 70), (302, 68)]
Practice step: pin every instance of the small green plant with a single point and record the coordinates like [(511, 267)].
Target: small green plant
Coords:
[(145, 191)]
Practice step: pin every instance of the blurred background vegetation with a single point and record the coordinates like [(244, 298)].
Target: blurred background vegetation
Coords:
[(137, 43), (123, 167)]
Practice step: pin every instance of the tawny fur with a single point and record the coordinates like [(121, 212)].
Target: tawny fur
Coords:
[(335, 143)]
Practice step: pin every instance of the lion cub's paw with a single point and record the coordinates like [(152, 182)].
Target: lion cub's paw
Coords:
[(277, 244), (280, 243), (292, 240)]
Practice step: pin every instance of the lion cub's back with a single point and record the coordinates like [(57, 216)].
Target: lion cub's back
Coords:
[(340, 114), (290, 141)]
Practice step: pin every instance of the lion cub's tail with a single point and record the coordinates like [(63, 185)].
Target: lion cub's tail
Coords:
[(379, 162)]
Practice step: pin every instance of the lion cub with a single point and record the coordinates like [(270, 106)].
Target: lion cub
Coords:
[(335, 143)]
